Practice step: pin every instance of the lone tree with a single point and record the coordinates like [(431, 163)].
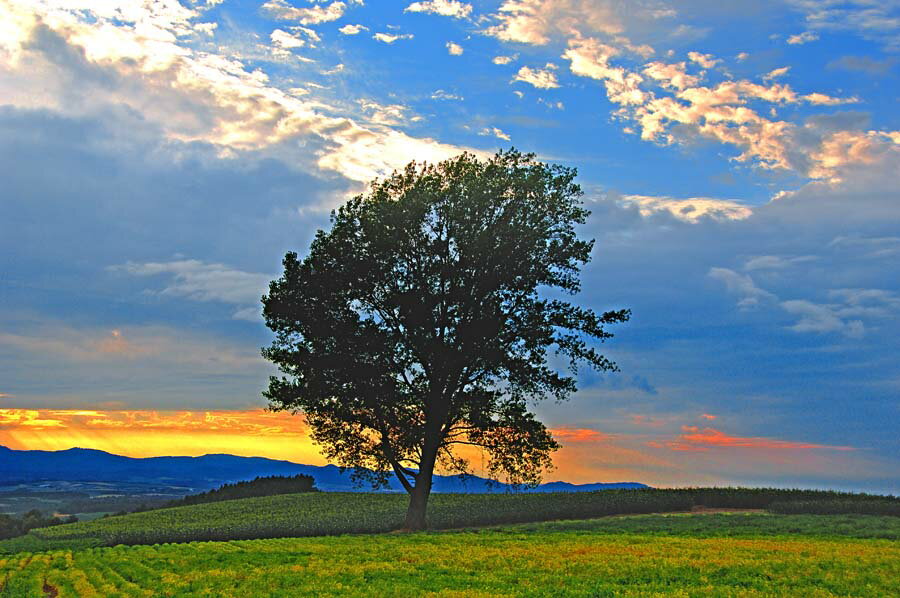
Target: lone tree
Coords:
[(416, 324)]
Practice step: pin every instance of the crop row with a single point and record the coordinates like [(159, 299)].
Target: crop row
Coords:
[(320, 514), (837, 506), (509, 562)]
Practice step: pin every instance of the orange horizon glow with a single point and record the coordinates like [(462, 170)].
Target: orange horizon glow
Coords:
[(587, 456), (146, 433), (259, 433), (695, 439)]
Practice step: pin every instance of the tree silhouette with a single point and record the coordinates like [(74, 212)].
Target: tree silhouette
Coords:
[(416, 324)]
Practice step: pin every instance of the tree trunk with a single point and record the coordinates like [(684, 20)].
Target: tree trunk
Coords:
[(418, 498), (415, 513)]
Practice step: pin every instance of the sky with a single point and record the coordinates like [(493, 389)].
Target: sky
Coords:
[(740, 160)]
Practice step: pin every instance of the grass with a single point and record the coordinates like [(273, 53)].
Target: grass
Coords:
[(317, 514), (628, 556), (725, 525)]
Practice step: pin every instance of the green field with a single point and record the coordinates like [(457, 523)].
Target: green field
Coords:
[(545, 544), (680, 555), (321, 513), (317, 514)]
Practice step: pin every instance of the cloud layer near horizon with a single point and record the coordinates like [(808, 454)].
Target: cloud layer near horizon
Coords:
[(651, 451)]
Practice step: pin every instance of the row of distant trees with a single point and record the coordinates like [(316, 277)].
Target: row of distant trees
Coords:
[(259, 486), (11, 526)]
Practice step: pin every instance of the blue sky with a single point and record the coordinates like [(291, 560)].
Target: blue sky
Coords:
[(739, 159)]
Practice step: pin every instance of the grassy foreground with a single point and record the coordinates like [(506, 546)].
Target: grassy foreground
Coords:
[(318, 514), (628, 556)]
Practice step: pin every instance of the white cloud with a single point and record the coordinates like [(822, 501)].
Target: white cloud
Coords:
[(707, 61), (691, 209), (802, 38), (389, 38), (776, 73), (338, 68), (283, 42), (742, 285), (836, 151), (536, 21), (871, 302), (776, 262), (718, 112), (843, 315), (385, 114), (150, 346), (199, 281), (877, 21), (446, 8), (550, 104), (822, 99), (454, 49), (494, 132), (353, 29), (362, 154), (314, 15), (206, 28), (671, 75), (440, 94), (504, 59), (192, 95), (541, 78), (821, 318), (590, 58), (742, 56), (874, 247)]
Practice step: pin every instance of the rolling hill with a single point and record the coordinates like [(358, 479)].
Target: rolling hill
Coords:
[(210, 471)]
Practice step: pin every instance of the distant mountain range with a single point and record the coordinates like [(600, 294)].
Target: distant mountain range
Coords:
[(210, 471)]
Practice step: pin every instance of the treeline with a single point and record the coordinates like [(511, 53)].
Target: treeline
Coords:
[(804, 501), (259, 486), (111, 504), (11, 527)]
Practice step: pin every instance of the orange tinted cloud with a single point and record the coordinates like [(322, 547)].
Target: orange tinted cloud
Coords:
[(152, 433), (646, 420), (566, 434), (587, 455), (707, 416), (695, 439)]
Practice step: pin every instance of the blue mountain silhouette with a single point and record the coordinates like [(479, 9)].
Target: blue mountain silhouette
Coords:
[(210, 471)]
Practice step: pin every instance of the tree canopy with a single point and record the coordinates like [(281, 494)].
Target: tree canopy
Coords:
[(428, 317)]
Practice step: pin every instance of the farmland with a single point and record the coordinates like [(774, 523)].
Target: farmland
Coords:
[(316, 514), (689, 555), (537, 545)]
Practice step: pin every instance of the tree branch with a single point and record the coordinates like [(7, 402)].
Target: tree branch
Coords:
[(401, 475)]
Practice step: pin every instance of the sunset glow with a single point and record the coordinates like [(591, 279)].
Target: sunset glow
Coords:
[(587, 455), (254, 433)]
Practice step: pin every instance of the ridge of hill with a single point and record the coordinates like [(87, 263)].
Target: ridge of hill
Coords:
[(210, 471)]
